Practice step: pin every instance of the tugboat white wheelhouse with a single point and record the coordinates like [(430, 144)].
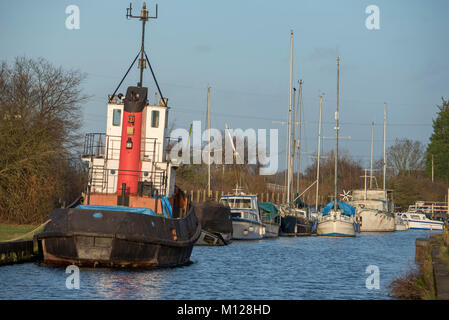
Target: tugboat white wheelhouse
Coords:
[(133, 215)]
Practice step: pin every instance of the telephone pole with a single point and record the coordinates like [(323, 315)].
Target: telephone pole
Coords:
[(385, 142), (432, 168), (371, 161)]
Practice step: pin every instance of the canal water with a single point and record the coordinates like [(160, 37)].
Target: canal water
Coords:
[(284, 268)]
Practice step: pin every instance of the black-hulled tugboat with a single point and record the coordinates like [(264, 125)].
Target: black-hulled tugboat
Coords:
[(133, 215)]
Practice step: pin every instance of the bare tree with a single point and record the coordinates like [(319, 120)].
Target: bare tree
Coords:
[(406, 156), (40, 114)]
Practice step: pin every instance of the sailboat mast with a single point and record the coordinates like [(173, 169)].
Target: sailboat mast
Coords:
[(208, 146), (318, 157), (371, 161), (289, 130), (385, 140), (337, 116), (299, 134), (292, 161)]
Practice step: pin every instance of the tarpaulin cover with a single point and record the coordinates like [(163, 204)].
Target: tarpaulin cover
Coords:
[(146, 211), (166, 207), (214, 216), (269, 208), (347, 208), (300, 203)]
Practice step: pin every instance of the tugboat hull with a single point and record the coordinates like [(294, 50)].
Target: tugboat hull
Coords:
[(100, 238)]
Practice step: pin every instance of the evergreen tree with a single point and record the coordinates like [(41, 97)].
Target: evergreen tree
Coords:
[(439, 144)]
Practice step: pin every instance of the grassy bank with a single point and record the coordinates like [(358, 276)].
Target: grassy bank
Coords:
[(416, 284), (419, 283), (11, 231)]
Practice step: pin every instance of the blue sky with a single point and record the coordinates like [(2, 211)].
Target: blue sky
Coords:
[(241, 49)]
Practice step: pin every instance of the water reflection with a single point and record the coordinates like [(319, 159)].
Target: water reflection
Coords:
[(131, 284)]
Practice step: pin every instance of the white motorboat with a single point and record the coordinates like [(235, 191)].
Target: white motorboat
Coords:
[(246, 221), (419, 221), (401, 224)]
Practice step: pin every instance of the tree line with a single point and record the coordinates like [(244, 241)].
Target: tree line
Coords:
[(40, 166), (40, 118)]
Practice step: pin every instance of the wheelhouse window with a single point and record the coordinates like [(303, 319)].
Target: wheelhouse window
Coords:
[(116, 117), (234, 203), (154, 119)]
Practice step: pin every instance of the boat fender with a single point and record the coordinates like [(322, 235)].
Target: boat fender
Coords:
[(173, 234)]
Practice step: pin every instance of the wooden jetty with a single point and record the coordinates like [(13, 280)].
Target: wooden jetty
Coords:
[(20, 251)]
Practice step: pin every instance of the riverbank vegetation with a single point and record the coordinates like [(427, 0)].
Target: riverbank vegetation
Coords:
[(416, 284), (40, 115), (428, 281)]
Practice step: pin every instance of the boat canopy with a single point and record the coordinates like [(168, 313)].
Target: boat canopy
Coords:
[(347, 208), (269, 208)]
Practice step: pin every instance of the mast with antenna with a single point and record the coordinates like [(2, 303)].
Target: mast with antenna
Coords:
[(144, 18), (337, 128)]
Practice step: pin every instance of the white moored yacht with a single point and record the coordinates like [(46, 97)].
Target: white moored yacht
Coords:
[(338, 217), (246, 221), (337, 222)]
